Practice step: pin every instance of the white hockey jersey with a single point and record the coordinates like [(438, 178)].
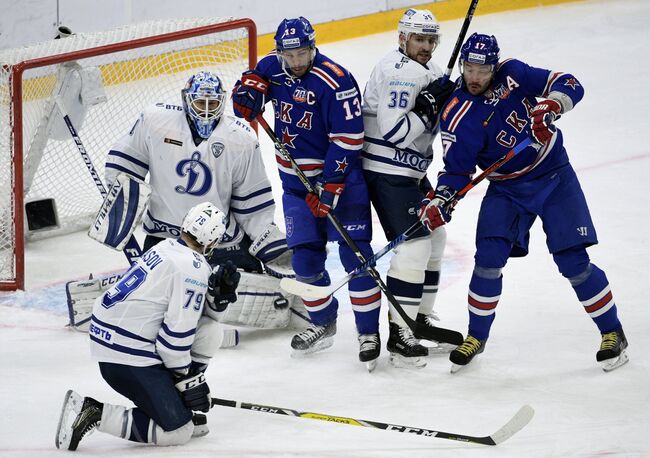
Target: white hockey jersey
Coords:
[(226, 169), (150, 316), (396, 140)]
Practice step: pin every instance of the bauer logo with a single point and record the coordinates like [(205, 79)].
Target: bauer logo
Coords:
[(217, 149)]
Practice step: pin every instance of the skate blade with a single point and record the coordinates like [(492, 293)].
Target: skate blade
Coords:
[(371, 365), (318, 346), (399, 361), (609, 365), (455, 368), (71, 408)]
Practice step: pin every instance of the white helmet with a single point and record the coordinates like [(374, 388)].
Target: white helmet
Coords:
[(418, 21), (206, 223)]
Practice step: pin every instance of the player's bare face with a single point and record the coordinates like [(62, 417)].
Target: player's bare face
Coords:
[(420, 47), (298, 60), (477, 77)]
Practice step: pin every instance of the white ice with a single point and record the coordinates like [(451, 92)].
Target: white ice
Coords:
[(542, 348)]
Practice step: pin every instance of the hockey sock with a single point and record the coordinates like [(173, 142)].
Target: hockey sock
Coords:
[(321, 311), (484, 293), (592, 289), (366, 303), (430, 291), (409, 296)]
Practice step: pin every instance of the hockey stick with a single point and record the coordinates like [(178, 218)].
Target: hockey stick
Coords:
[(293, 286), (461, 38), (425, 332), (132, 250), (514, 425)]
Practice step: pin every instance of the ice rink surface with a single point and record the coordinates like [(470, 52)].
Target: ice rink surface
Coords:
[(542, 347)]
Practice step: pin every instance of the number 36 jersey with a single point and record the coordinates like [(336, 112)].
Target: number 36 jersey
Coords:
[(150, 316), (397, 142)]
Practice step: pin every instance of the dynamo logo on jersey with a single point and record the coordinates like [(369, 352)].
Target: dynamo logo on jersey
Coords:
[(198, 174), (217, 148)]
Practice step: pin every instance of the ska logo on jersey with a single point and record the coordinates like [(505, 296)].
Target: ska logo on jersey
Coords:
[(287, 138), (217, 149), (342, 165), (572, 83)]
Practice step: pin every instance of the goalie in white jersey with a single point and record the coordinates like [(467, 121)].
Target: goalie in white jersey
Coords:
[(400, 114), (195, 153), (153, 335)]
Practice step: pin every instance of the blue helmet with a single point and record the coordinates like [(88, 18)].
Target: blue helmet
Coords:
[(204, 101), (480, 49), (294, 34)]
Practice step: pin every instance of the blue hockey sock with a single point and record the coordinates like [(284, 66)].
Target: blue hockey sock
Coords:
[(484, 293), (592, 289), (365, 297), (321, 311), (409, 296)]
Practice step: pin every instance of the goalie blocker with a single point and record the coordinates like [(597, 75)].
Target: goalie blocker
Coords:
[(120, 212), (260, 304)]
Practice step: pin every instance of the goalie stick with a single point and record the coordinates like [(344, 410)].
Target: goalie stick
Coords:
[(293, 286), (424, 332), (132, 250), (514, 425)]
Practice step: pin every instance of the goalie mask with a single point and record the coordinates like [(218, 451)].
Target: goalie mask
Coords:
[(204, 101), (206, 224), (295, 42), (420, 22)]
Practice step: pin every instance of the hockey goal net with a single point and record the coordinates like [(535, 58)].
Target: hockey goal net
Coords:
[(103, 80)]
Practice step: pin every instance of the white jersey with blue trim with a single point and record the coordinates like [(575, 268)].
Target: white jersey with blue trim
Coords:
[(226, 169), (150, 316), (396, 140)]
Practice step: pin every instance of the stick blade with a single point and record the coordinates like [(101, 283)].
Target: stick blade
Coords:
[(298, 288), (516, 423)]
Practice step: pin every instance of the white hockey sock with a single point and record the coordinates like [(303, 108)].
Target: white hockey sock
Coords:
[(116, 420)]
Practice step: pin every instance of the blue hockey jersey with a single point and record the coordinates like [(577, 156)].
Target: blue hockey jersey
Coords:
[(317, 118), (478, 130)]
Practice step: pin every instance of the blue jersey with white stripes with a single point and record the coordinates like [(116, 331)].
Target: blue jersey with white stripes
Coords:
[(478, 130), (317, 118), (150, 316)]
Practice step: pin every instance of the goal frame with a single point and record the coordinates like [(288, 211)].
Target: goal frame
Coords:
[(16, 113)]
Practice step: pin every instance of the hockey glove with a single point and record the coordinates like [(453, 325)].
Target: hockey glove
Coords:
[(542, 117), (194, 390), (328, 196), (249, 95), (222, 285), (431, 99), (433, 209)]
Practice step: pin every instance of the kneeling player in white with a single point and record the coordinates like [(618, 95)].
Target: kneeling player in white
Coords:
[(152, 336), (192, 153)]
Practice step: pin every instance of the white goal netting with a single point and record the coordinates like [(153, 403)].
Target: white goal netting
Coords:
[(113, 75)]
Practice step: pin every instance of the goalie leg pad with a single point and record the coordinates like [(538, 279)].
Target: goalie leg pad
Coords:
[(81, 296), (121, 211), (260, 304), (271, 248)]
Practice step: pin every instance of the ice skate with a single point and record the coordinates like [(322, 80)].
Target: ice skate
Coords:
[(465, 353), (79, 417), (405, 351), (314, 338), (369, 347), (612, 352), (436, 347)]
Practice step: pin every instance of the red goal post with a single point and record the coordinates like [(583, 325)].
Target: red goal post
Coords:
[(137, 65)]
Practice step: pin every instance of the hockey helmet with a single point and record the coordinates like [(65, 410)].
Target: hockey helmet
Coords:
[(480, 49), (204, 101), (205, 223), (421, 22), (293, 34)]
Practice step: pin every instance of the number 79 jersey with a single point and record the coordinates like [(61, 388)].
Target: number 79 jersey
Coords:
[(317, 118), (150, 316)]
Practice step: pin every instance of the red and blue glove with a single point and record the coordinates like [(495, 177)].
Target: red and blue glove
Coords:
[(325, 201), (433, 211), (542, 117), (249, 95)]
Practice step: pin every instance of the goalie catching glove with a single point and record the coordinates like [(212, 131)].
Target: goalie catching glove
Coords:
[(434, 211), (270, 247)]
